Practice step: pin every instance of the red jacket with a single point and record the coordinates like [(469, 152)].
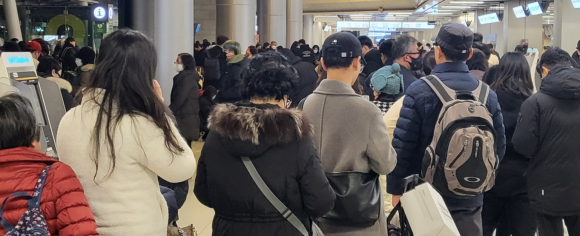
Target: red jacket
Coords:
[(62, 202)]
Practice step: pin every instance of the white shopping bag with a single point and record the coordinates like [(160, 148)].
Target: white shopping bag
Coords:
[(427, 213)]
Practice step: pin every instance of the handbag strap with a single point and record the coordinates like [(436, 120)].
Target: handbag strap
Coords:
[(286, 213)]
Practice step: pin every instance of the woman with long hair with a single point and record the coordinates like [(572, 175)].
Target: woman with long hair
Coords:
[(184, 97), (121, 137), (509, 195), (277, 141)]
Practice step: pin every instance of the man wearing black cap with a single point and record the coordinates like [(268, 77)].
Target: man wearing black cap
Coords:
[(576, 54), (421, 107), (350, 136)]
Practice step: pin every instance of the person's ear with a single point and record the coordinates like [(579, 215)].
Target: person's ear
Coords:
[(356, 63), (54, 74), (322, 63), (36, 145), (545, 72), (470, 53)]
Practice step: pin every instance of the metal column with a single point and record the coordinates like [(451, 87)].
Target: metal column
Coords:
[(275, 21), (236, 19), (12, 21), (294, 25)]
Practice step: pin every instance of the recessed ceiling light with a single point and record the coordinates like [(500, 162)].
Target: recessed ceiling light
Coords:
[(465, 2), (456, 7)]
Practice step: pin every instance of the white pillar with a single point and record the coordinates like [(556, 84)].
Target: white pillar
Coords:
[(317, 33), (144, 17), (307, 24), (275, 21), (236, 19), (12, 21), (566, 34), (167, 14), (294, 25)]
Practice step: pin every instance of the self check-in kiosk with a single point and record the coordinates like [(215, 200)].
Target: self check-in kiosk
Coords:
[(18, 75), (533, 56)]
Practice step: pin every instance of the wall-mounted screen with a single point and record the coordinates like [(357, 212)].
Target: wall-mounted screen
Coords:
[(488, 18), (519, 12), (326, 28), (535, 8)]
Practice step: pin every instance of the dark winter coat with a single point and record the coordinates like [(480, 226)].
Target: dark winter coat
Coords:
[(184, 104), (374, 61), (307, 54), (279, 143), (511, 175), (307, 80), (414, 131), (576, 57), (548, 132), (231, 81), (170, 198), (68, 59), (205, 106), (217, 51), (199, 57)]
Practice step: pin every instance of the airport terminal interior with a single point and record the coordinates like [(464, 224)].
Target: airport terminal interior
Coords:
[(33, 30)]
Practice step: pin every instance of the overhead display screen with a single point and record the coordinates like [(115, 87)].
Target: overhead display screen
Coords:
[(519, 12), (488, 18), (535, 8)]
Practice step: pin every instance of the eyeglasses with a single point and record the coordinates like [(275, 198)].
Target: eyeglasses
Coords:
[(288, 103)]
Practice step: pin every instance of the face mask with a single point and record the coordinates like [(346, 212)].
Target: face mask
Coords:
[(178, 67), (315, 50), (416, 63), (79, 62)]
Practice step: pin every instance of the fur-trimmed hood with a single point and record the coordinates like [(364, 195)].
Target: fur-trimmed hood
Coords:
[(252, 129)]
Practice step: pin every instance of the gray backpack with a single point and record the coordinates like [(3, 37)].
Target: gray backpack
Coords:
[(461, 161)]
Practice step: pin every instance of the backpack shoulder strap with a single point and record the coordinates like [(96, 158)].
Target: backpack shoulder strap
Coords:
[(482, 92), (444, 93), (283, 209)]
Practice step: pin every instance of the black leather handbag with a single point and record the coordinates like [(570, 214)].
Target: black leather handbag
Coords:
[(358, 198)]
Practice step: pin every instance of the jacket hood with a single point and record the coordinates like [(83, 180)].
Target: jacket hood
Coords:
[(562, 82), (250, 129), (62, 83), (21, 154), (236, 59), (373, 55), (88, 67), (292, 59)]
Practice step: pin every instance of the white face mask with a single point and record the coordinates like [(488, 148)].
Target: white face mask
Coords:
[(315, 50), (178, 67), (79, 62)]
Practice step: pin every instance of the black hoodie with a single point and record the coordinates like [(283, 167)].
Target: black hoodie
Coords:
[(307, 74), (279, 143), (548, 132), (373, 60)]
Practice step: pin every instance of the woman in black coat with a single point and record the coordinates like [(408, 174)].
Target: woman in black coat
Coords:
[(184, 95), (279, 144), (507, 202), (68, 59)]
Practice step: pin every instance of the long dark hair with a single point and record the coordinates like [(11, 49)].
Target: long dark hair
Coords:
[(188, 61), (126, 77), (514, 75)]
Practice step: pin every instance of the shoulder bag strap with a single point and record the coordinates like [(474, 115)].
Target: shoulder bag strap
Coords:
[(39, 187), (286, 213), (444, 93)]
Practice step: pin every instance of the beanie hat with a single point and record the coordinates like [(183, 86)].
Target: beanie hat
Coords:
[(388, 80)]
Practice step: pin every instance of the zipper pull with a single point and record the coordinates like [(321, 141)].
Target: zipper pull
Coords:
[(476, 148)]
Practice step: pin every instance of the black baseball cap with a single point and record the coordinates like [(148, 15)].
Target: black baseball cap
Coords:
[(455, 37), (341, 45)]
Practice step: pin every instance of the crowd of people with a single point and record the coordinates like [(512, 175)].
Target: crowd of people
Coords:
[(297, 140)]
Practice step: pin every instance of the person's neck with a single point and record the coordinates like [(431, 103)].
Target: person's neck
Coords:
[(342, 75), (403, 63), (270, 101)]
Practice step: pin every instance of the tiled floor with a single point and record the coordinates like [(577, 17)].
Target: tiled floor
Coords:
[(194, 212)]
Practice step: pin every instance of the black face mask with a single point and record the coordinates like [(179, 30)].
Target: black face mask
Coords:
[(416, 63)]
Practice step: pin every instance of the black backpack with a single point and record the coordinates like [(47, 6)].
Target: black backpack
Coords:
[(211, 68)]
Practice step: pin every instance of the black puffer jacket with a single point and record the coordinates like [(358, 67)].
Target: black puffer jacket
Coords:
[(548, 131), (279, 143), (307, 74), (231, 81), (511, 175), (184, 103)]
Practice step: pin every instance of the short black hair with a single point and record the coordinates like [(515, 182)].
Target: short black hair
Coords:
[(337, 62), (520, 49), (554, 57), (453, 55), (269, 75), (478, 61), (87, 55), (46, 65), (429, 62), (490, 76), (403, 45), (17, 122), (477, 37), (11, 46), (221, 39), (428, 45), (386, 48), (302, 41), (365, 41), (253, 50), (45, 46), (484, 48), (188, 61)]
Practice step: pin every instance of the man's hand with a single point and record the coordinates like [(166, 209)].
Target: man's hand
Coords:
[(396, 200)]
